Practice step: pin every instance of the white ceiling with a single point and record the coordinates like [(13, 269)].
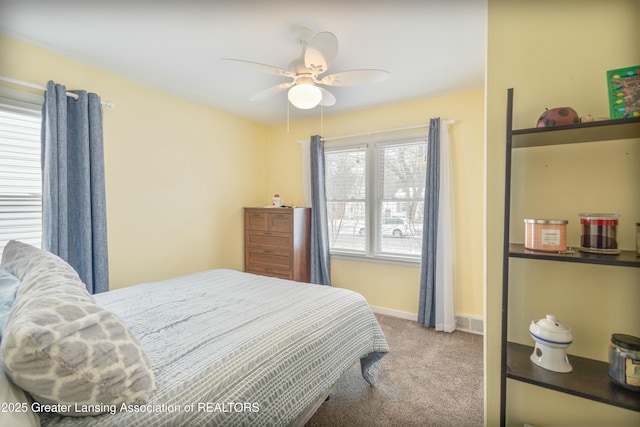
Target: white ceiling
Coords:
[(430, 47)]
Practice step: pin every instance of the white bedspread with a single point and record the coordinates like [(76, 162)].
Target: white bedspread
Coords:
[(231, 348)]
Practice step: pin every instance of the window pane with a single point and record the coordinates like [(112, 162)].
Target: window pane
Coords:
[(20, 175), (20, 171), (346, 191), (400, 188)]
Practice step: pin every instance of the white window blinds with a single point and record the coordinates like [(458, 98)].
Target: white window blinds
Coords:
[(345, 171), (20, 172)]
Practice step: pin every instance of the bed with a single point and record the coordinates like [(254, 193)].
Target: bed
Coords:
[(223, 348)]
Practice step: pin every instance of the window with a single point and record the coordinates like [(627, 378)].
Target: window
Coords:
[(20, 170), (375, 198)]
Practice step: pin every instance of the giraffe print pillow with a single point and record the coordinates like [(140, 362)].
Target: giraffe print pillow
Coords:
[(61, 347)]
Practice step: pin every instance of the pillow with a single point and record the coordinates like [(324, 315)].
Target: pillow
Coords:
[(8, 288), (64, 349), (18, 411)]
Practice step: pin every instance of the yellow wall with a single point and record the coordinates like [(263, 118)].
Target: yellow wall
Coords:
[(556, 54), (177, 173), (392, 286)]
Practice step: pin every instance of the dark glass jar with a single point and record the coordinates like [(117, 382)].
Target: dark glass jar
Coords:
[(624, 361), (599, 233)]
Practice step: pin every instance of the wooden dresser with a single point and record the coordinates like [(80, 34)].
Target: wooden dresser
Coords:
[(277, 242)]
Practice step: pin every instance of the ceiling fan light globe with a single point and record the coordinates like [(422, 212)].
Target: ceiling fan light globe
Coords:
[(305, 96)]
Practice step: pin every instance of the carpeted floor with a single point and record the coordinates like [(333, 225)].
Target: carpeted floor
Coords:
[(428, 379)]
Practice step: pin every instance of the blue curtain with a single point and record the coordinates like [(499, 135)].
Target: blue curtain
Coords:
[(73, 199), (320, 269), (427, 303)]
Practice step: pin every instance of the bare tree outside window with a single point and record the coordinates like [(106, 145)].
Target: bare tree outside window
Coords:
[(402, 197)]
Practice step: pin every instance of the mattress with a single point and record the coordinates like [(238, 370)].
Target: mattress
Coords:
[(237, 349)]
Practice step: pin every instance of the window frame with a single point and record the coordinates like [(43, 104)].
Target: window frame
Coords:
[(373, 199)]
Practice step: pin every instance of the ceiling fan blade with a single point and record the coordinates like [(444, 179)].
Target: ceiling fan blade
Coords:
[(354, 78), (327, 98), (321, 52), (271, 91), (264, 68)]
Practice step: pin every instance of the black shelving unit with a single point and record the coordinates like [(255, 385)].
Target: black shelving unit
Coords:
[(589, 378)]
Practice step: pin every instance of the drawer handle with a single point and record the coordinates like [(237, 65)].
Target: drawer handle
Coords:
[(266, 251), (268, 233)]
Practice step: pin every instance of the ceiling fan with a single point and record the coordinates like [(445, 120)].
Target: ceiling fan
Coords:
[(305, 87)]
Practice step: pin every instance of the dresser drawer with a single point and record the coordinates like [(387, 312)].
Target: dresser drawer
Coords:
[(272, 260), (268, 238), (281, 222), (256, 221), (278, 221), (270, 270), (283, 251)]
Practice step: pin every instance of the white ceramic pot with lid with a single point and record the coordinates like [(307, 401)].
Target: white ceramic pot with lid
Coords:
[(552, 338)]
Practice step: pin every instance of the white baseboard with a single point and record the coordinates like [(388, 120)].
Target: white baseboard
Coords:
[(394, 313), (464, 322)]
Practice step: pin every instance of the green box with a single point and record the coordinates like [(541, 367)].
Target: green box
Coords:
[(624, 92)]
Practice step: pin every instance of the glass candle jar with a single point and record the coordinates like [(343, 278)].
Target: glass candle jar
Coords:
[(599, 233), (624, 361), (545, 235)]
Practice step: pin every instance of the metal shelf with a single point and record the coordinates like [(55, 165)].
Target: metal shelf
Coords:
[(602, 130), (588, 379), (624, 259)]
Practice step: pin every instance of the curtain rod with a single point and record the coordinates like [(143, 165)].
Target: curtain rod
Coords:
[(107, 104), (374, 132)]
